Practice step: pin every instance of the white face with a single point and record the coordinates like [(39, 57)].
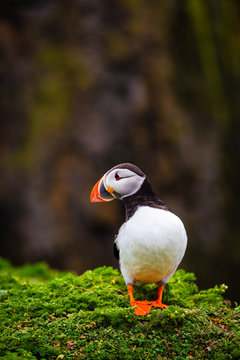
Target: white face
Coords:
[(123, 181)]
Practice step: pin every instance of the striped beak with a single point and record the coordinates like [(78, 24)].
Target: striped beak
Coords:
[(100, 193)]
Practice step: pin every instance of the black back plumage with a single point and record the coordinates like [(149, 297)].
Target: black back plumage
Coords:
[(143, 197)]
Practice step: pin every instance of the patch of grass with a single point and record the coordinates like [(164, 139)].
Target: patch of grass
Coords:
[(53, 315)]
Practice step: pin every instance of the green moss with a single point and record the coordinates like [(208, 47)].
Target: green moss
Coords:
[(47, 315)]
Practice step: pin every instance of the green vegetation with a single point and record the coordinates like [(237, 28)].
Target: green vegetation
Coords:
[(54, 315)]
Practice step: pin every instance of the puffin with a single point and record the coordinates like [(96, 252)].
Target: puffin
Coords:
[(151, 242)]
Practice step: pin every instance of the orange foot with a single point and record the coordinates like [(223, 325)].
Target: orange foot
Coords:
[(159, 304), (143, 307)]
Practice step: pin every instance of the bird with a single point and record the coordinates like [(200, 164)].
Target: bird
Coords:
[(152, 241)]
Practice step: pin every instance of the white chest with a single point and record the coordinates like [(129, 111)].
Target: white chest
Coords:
[(151, 245)]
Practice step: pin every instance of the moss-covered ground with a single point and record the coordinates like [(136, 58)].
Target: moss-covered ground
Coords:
[(54, 315)]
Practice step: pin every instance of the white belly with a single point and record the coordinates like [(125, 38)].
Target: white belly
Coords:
[(151, 245)]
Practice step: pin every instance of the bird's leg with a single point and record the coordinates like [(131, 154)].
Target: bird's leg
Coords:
[(143, 307), (158, 302)]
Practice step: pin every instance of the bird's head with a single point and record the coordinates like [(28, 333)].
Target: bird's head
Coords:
[(121, 181)]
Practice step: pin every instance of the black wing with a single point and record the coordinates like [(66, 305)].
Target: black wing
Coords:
[(115, 251)]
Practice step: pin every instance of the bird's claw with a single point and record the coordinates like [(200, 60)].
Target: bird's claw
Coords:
[(159, 304)]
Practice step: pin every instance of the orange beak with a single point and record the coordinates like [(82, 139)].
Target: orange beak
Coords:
[(95, 196), (99, 193)]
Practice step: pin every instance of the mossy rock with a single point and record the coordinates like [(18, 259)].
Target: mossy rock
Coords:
[(54, 315)]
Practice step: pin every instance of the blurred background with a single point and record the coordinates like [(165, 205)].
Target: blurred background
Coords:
[(85, 85)]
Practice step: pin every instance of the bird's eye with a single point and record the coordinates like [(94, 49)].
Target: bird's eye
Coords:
[(117, 177)]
